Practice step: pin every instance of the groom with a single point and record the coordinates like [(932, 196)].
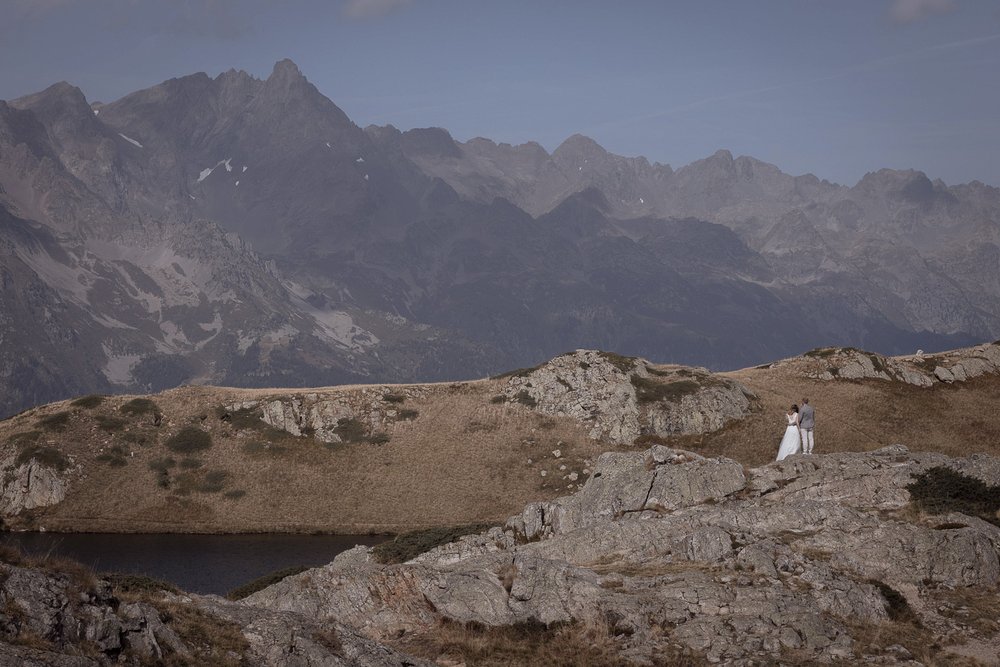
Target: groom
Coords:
[(807, 419)]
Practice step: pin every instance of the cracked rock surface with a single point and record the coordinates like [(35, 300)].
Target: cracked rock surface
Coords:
[(622, 398), (811, 560)]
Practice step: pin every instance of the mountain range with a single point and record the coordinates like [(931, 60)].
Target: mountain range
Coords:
[(246, 232)]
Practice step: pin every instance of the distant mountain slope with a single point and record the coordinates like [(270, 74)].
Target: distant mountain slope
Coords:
[(244, 231)]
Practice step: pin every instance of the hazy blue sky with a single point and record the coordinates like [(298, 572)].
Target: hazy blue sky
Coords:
[(836, 88)]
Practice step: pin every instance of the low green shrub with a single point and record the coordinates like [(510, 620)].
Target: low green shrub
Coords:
[(648, 390), (162, 469), (498, 399), (89, 401), (526, 399), (896, 605), (349, 429), (263, 582), (235, 494), (624, 364), (189, 439), (139, 406), (213, 481), (940, 490), (162, 465), (46, 456), (122, 582), (517, 373), (407, 546), (650, 439), (23, 439), (109, 424), (57, 421), (393, 398), (140, 438), (114, 457)]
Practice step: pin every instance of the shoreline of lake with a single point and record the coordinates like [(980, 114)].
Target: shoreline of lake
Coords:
[(194, 562)]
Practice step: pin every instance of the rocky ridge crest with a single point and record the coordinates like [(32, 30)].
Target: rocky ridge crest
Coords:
[(797, 560), (922, 370), (625, 397)]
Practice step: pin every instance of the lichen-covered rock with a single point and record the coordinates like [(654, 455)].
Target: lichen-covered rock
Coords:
[(621, 398), (320, 415), (29, 485), (668, 547), (67, 620), (921, 370)]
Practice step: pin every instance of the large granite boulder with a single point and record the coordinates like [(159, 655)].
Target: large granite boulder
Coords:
[(29, 484), (621, 398)]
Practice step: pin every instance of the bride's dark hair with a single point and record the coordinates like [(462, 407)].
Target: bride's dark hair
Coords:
[(795, 408)]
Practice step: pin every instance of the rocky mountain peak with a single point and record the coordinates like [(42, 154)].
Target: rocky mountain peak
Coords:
[(722, 155), (578, 148), (58, 99), (430, 141), (286, 76)]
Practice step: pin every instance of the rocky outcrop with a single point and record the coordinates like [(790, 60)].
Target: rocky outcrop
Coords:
[(324, 416), (848, 363), (27, 485), (70, 618), (796, 560), (622, 398), (60, 611)]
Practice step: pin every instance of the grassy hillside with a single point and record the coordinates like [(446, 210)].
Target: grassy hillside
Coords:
[(424, 455), (450, 456)]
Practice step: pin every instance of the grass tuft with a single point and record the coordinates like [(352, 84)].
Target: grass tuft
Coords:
[(624, 364), (137, 584), (534, 644), (89, 401), (109, 424), (407, 546), (896, 606), (114, 457), (648, 390), (526, 399), (189, 439), (263, 582)]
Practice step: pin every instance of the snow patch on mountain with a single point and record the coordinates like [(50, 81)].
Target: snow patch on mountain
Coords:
[(207, 171), (130, 140)]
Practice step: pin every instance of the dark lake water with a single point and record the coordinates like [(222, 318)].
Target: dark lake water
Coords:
[(195, 563)]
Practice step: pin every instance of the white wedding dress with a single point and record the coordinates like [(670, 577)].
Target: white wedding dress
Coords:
[(790, 443)]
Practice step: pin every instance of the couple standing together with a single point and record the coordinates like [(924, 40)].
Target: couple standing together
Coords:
[(799, 431)]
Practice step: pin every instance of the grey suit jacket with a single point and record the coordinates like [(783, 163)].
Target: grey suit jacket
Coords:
[(807, 418)]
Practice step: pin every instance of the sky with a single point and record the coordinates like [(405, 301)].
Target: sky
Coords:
[(836, 88)]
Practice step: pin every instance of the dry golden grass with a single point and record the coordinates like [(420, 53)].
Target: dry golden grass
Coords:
[(957, 420), (456, 458), (461, 459), (531, 645)]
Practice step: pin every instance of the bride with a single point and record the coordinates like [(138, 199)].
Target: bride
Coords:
[(790, 443)]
